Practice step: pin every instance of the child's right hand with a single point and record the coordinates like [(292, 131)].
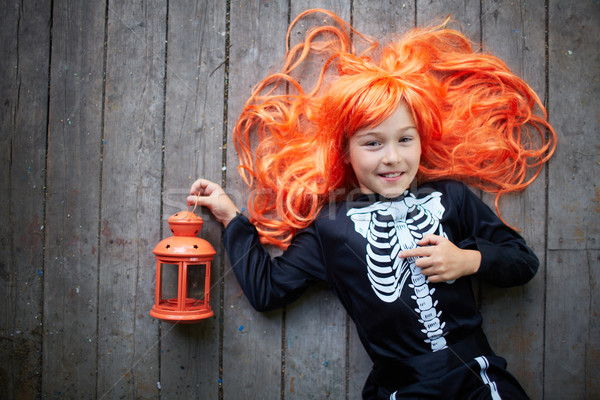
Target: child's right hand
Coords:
[(209, 194), (441, 260)]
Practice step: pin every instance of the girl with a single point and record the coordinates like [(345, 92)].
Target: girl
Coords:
[(357, 181)]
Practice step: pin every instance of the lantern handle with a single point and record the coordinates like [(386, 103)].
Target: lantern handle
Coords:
[(195, 204)]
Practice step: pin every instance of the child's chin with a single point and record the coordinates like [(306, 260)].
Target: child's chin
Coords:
[(393, 194)]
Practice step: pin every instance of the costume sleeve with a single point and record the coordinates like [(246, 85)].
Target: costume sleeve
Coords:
[(272, 283), (506, 260)]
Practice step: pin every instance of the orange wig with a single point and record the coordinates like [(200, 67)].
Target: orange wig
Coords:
[(478, 122)]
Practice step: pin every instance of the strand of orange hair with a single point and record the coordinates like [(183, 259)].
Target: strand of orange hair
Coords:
[(478, 122)]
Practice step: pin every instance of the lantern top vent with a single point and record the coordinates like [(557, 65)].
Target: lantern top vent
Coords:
[(185, 225)]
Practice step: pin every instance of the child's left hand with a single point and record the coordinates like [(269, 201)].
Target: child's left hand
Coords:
[(441, 261)]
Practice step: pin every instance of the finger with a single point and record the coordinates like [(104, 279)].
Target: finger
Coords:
[(195, 187), (416, 252), (430, 239), (436, 279), (424, 263), (201, 197), (200, 186), (194, 200)]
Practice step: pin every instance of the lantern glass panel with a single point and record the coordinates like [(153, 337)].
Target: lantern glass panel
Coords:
[(196, 281), (169, 279)]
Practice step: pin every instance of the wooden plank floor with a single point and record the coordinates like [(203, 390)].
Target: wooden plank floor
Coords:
[(110, 110)]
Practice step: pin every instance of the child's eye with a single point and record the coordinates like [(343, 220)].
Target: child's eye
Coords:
[(372, 143), (405, 139)]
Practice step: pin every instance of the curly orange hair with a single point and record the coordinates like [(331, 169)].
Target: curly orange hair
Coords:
[(478, 122)]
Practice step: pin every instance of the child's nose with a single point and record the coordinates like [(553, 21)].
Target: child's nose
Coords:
[(392, 155)]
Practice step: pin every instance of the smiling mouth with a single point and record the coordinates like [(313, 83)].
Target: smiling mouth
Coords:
[(391, 175)]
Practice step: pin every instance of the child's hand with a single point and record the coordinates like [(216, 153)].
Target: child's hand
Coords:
[(441, 261), (209, 194)]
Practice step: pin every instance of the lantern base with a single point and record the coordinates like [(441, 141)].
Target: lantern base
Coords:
[(188, 316)]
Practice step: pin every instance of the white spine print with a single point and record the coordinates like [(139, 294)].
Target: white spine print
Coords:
[(420, 225), (390, 227)]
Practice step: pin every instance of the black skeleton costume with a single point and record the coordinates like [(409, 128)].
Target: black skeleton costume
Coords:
[(425, 339)]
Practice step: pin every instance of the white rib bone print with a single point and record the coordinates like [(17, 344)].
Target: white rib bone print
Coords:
[(390, 227)]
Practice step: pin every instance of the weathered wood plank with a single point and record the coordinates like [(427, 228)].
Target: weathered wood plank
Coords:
[(392, 17), (193, 148), (574, 37), (514, 318), (568, 315), (315, 346), (74, 161), (592, 352), (10, 372), (25, 35), (571, 361), (252, 341), (464, 12), (130, 206)]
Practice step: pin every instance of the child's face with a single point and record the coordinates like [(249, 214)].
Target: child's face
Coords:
[(385, 158)]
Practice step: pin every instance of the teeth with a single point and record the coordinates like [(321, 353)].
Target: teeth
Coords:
[(392, 175)]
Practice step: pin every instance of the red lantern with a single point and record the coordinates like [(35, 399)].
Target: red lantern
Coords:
[(185, 259)]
